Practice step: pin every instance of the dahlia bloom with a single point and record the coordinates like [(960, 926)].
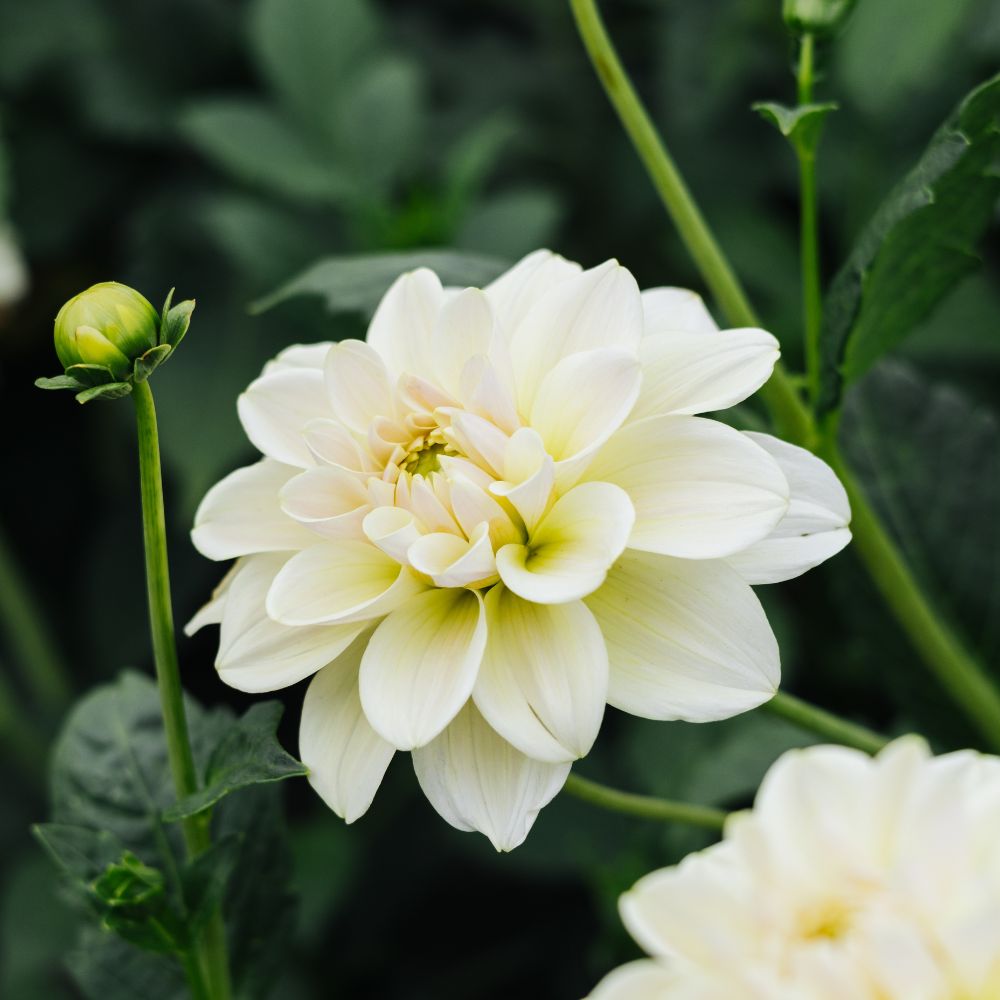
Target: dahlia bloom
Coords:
[(874, 879), (499, 514)]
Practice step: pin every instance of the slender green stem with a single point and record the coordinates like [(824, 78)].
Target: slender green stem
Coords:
[(644, 806), (32, 648), (959, 671), (197, 836), (812, 302), (824, 723)]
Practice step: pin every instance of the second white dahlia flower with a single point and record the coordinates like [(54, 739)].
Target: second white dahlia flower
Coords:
[(499, 514)]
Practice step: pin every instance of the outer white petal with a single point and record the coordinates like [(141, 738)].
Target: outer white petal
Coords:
[(357, 384), (259, 654), (583, 401), (346, 758), (573, 547), (643, 979), (211, 612), (299, 356), (675, 310), (463, 330), (694, 373), (701, 489), (401, 328), (330, 500), (598, 308), (275, 409), (339, 581), (544, 679), (421, 665), (477, 781), (686, 639), (814, 528), (517, 290), (241, 514)]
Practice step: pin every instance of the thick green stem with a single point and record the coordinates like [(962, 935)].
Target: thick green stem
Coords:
[(812, 302), (197, 837), (31, 646), (823, 723), (644, 806), (958, 670)]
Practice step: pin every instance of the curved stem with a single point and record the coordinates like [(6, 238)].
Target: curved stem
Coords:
[(812, 303), (644, 806), (197, 836), (817, 720), (960, 673)]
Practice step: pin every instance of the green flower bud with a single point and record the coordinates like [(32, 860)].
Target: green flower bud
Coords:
[(109, 324), (819, 17)]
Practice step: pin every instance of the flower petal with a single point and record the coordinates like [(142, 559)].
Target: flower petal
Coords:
[(642, 979), (598, 308), (694, 373), (275, 409), (393, 530), (212, 611), (421, 665), (339, 581), (451, 561), (675, 310), (701, 489), (357, 384), (517, 290), (401, 328), (329, 500), (815, 526), (686, 639), (573, 547), (544, 679), (241, 514), (299, 356), (346, 758), (463, 330), (257, 653), (477, 781)]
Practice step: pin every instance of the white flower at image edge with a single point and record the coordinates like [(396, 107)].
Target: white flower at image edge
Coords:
[(498, 515), (852, 879)]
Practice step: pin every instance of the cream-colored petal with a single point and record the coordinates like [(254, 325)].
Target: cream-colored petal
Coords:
[(346, 758), (299, 356), (815, 526), (517, 290), (598, 308), (328, 500), (464, 329), (241, 514), (571, 550), (257, 653), (477, 781), (472, 505), (451, 561), (479, 439), (421, 665), (276, 408), (642, 979), (333, 444), (544, 679), (358, 385), (486, 393), (584, 399), (686, 639), (339, 581), (701, 489), (694, 373), (393, 530), (212, 611), (675, 310), (401, 328)]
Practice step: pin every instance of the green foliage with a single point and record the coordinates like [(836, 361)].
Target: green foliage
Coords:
[(801, 126), (356, 283), (919, 244)]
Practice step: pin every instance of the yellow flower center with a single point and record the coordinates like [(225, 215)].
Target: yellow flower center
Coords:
[(829, 922)]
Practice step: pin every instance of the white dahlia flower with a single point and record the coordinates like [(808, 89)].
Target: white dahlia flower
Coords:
[(852, 877), (495, 516)]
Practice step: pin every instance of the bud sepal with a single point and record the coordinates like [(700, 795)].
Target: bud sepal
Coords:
[(110, 337)]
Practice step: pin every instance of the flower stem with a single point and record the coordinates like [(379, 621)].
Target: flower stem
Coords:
[(817, 720), (812, 302), (644, 806), (197, 836), (958, 670)]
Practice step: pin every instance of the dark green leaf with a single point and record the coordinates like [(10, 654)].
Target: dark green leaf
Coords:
[(356, 283), (148, 363), (918, 245), (60, 382), (802, 125), (111, 390), (176, 322), (107, 968), (82, 853), (248, 754)]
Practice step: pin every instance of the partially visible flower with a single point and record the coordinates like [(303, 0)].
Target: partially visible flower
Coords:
[(498, 515), (852, 877)]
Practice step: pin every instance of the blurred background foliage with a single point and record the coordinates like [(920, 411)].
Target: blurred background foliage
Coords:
[(223, 146)]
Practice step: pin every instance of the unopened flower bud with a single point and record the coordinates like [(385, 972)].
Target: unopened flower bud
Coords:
[(109, 324), (818, 17)]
